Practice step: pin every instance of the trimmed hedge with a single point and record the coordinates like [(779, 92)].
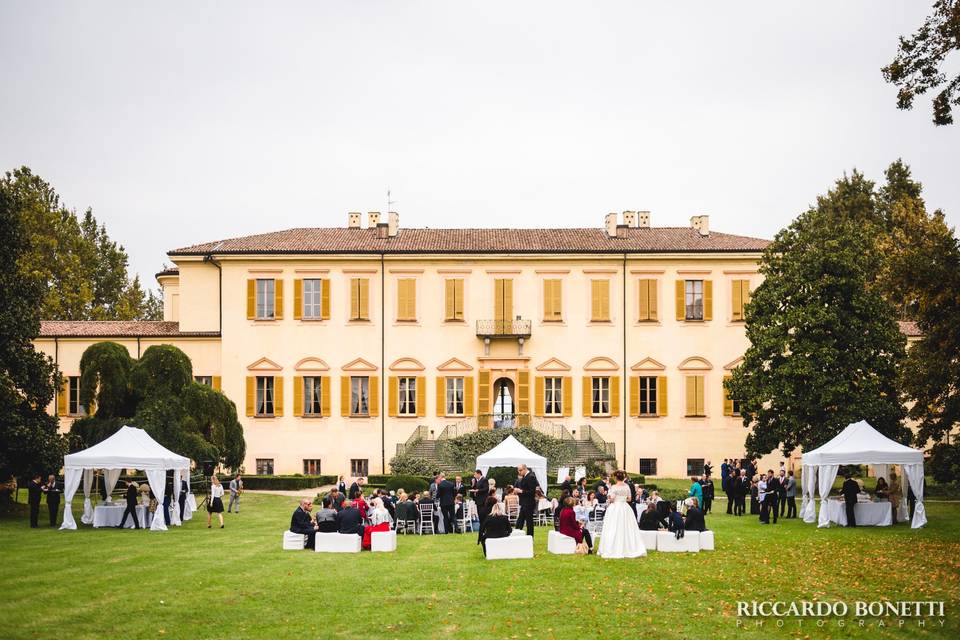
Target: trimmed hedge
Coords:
[(286, 483), (410, 484)]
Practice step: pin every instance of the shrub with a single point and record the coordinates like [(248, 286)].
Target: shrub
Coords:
[(410, 484), (503, 476), (944, 464), (286, 483), (412, 465)]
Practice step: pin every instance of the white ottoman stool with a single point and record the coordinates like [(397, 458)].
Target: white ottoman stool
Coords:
[(667, 541), (337, 543), (383, 541), (513, 547), (293, 541), (560, 544), (706, 540), (649, 540)]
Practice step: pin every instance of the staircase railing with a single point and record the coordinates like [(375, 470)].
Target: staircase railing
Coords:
[(420, 433), (587, 432)]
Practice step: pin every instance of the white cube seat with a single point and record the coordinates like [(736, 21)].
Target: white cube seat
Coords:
[(560, 544), (706, 540), (337, 543), (293, 541), (513, 547), (667, 541), (383, 541), (649, 539)]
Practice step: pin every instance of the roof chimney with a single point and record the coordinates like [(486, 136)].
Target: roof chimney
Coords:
[(373, 219), (610, 223), (701, 224), (393, 224), (353, 220), (630, 219), (643, 219)]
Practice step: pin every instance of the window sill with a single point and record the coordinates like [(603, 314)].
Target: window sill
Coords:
[(603, 323), (312, 416), (454, 321), (358, 321), (406, 417), (693, 321), (359, 415), (312, 319), (264, 417), (648, 323), (648, 416), (698, 417), (264, 320)]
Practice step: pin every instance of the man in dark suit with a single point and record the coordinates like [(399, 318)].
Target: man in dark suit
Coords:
[(724, 472), (706, 486), (355, 489), (34, 493), (782, 491), (445, 494), (742, 490), (602, 482), (182, 498), (567, 485), (479, 488), (131, 506), (53, 491), (349, 520), (850, 489), (694, 520), (773, 494), (727, 484), (458, 487), (301, 522), (527, 487), (633, 495)]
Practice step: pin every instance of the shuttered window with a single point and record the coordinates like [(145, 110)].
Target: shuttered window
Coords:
[(359, 396), (312, 396), (694, 399), (648, 396), (406, 299), (453, 300), (316, 299), (600, 300), (454, 396), (553, 396), (265, 396), (359, 299), (407, 398), (600, 396), (552, 301), (740, 296), (266, 299), (647, 300), (74, 408)]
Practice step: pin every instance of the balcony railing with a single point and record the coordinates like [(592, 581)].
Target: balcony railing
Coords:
[(503, 328)]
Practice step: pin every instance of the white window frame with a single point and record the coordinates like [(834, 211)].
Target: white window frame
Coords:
[(553, 396), (312, 294), (74, 408), (648, 395), (312, 396), (359, 470), (360, 396), (308, 462), (454, 396), (266, 299), (204, 380), (407, 396), (600, 396), (693, 300), (262, 463), (265, 398)]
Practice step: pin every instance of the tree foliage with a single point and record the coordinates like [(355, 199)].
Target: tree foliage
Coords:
[(85, 272), (918, 67), (826, 349), (462, 452), (29, 441), (105, 369)]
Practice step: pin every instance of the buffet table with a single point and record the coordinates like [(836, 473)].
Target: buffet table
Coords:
[(869, 514), (109, 515)]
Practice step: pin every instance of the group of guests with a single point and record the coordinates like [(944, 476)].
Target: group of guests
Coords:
[(348, 512), (36, 489), (772, 495)]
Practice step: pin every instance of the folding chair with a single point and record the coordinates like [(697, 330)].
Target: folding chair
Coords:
[(513, 514), (426, 517), (465, 520), (596, 521)]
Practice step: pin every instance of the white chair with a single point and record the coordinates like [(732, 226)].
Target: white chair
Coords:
[(510, 548), (513, 514), (426, 517), (383, 541), (596, 521), (293, 541), (337, 543), (706, 540), (560, 544), (466, 517), (649, 539)]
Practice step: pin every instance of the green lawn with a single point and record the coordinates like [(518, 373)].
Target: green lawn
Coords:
[(236, 583)]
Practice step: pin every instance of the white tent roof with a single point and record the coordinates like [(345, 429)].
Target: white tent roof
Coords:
[(128, 448), (860, 443), (511, 453)]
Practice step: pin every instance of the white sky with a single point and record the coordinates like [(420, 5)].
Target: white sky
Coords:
[(181, 123)]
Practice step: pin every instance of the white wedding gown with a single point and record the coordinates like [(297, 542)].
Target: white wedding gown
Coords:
[(620, 536)]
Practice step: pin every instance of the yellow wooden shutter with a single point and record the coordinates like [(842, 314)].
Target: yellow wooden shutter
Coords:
[(600, 300), (278, 395), (498, 313), (523, 398), (643, 299), (251, 395), (587, 396), (364, 298), (393, 395), (736, 301), (567, 396), (652, 294), (538, 408), (681, 308), (661, 395), (251, 299), (449, 298), (344, 396), (614, 395), (701, 409), (298, 395), (745, 295), (708, 299), (690, 406), (421, 396), (354, 298), (483, 398), (458, 299), (298, 299), (325, 396), (63, 397), (217, 383), (278, 299), (594, 300), (547, 300), (441, 396), (325, 299), (92, 409), (727, 400), (374, 400), (552, 303), (468, 408), (634, 395)]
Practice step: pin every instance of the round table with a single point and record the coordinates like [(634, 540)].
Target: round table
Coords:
[(869, 514), (109, 515)]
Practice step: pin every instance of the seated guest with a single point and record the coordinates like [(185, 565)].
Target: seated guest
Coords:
[(675, 521), (602, 494), (361, 504), (695, 520), (651, 519), (300, 522), (882, 489), (582, 512), (511, 501), (591, 500), (457, 511), (336, 499), (326, 518), (349, 519), (569, 526), (378, 513), (495, 526)]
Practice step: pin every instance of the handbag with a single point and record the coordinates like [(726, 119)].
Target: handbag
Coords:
[(582, 549)]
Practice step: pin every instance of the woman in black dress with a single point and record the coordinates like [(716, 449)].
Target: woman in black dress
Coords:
[(754, 498), (497, 525), (215, 506)]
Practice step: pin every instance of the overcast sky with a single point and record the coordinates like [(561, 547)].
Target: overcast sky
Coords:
[(194, 122)]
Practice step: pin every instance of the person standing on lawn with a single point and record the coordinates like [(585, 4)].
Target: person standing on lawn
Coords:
[(850, 489), (527, 488), (215, 506), (52, 489), (34, 493), (706, 485), (236, 488), (131, 509), (790, 493)]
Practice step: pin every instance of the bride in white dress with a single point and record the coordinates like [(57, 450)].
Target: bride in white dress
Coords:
[(620, 536)]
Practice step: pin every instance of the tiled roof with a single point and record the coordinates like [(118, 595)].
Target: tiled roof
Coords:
[(169, 271), (409, 241), (117, 329), (910, 329)]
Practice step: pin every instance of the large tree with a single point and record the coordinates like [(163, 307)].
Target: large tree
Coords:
[(919, 65), (29, 441), (826, 349), (84, 270)]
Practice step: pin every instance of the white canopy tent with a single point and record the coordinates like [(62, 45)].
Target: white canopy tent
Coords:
[(511, 453), (128, 448), (860, 443)]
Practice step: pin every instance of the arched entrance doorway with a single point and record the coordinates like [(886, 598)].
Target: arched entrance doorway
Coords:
[(504, 416)]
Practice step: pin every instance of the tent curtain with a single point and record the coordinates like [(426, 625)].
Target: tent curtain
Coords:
[(157, 479), (827, 474), (110, 477), (914, 473), (882, 471), (175, 503), (71, 480), (808, 508), (904, 511), (87, 517)]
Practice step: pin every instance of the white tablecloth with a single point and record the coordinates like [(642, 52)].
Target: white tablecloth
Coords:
[(869, 514), (110, 515)]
